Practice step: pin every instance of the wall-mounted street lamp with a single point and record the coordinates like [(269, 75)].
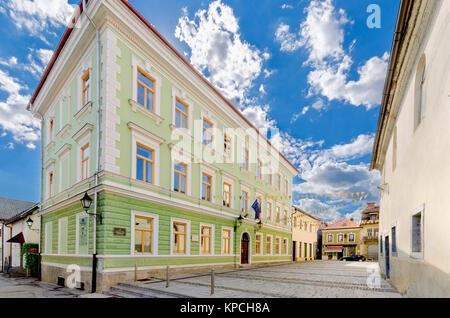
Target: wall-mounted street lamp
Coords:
[(239, 219), (86, 201), (259, 224)]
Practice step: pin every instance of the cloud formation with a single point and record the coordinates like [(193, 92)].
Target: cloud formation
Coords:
[(217, 50), (322, 36)]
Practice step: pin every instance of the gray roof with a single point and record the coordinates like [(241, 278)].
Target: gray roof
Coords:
[(11, 207)]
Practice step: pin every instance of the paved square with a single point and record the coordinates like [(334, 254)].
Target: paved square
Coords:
[(301, 279)]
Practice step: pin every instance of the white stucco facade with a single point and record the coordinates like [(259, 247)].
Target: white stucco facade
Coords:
[(413, 157)]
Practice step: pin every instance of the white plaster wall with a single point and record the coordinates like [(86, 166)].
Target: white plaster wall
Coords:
[(422, 173)]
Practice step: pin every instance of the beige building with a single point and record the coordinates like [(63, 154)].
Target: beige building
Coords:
[(304, 235), (412, 151), (368, 241), (340, 239)]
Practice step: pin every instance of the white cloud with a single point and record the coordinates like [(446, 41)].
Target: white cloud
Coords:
[(44, 56), (36, 16), (286, 6), (14, 118), (10, 146), (268, 73), (258, 116), (322, 35), (359, 147), (12, 61), (218, 51), (261, 89)]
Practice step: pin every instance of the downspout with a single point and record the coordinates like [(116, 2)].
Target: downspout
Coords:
[(3, 246), (97, 106)]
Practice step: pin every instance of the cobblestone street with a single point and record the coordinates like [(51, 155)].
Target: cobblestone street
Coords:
[(303, 279)]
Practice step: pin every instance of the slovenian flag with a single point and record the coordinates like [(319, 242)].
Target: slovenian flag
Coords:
[(257, 208)]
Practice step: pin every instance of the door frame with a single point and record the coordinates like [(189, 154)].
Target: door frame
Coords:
[(294, 250), (248, 247), (387, 260)]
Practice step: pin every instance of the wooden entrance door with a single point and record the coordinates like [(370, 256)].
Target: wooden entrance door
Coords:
[(294, 250), (244, 248)]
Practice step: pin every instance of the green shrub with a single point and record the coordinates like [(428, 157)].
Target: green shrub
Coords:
[(31, 257)]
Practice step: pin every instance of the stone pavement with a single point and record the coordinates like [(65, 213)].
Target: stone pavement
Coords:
[(316, 279), (29, 287)]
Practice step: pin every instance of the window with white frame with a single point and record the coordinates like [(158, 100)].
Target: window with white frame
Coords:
[(258, 243), (394, 239), (417, 233), (351, 237), (82, 234), (269, 244), (206, 239), (144, 233), (330, 238), (340, 237), (180, 237), (227, 240)]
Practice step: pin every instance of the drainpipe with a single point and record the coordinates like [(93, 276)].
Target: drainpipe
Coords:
[(3, 247), (97, 106)]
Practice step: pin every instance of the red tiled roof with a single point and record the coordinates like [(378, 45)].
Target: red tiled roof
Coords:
[(132, 9), (342, 224)]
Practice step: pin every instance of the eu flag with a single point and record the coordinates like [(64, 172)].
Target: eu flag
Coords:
[(257, 208)]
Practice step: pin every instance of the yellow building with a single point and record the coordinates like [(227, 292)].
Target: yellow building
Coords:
[(304, 235), (369, 232), (340, 239)]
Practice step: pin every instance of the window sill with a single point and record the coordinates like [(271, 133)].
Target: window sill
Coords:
[(135, 106), (83, 111)]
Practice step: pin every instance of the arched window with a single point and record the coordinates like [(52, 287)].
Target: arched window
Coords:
[(419, 96)]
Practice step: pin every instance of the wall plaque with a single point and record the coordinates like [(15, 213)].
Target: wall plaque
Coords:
[(120, 231)]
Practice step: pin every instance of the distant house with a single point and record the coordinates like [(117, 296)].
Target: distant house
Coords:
[(9, 208), (340, 239), (304, 235), (369, 231)]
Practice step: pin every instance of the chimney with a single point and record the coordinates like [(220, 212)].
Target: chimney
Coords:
[(371, 204)]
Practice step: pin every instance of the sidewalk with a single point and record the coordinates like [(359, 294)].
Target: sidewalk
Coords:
[(29, 287)]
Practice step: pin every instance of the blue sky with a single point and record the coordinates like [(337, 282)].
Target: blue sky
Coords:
[(314, 70)]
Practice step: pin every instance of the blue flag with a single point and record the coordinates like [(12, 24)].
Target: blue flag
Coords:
[(257, 208)]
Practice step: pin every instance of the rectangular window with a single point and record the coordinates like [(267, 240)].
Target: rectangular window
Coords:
[(381, 245), (245, 159), (143, 235), (144, 163), (145, 90), (285, 213), (269, 177), (278, 181), (226, 240), (258, 244), (369, 233), (179, 238), (85, 153), (51, 128), (286, 188), (206, 186), (285, 242), (227, 145), (226, 194), (244, 201), (394, 240), (305, 249), (206, 239), (50, 184), (259, 169), (86, 88), (179, 177), (207, 132), (278, 215), (416, 232), (268, 245), (329, 238), (48, 237), (269, 211), (340, 238), (351, 237), (277, 245), (181, 114)]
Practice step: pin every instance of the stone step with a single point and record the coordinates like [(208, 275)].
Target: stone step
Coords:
[(146, 289)]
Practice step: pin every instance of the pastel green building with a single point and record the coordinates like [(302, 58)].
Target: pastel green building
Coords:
[(172, 167)]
